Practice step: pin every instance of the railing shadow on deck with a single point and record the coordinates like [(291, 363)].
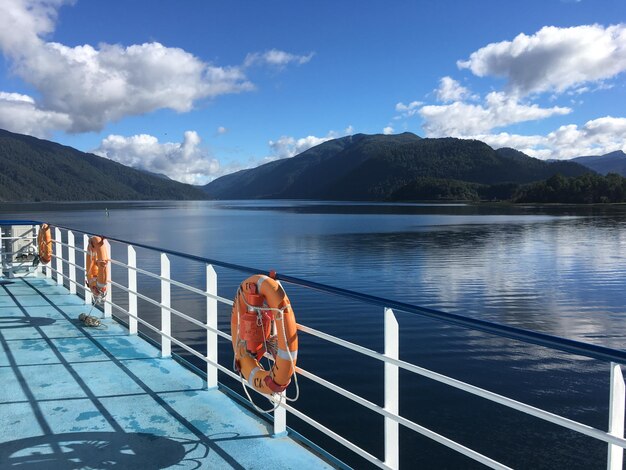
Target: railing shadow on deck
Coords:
[(117, 449)]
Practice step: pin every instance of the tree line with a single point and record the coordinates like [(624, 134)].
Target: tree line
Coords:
[(589, 188)]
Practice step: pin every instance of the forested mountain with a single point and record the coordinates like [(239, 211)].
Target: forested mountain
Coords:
[(614, 162), (381, 167), (32, 169)]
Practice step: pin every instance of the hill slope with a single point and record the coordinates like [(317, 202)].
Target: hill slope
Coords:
[(374, 167), (32, 169), (614, 162)]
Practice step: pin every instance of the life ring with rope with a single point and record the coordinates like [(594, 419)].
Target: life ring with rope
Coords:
[(97, 272), (44, 242), (261, 305)]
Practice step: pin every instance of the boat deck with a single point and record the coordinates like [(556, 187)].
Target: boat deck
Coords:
[(74, 397)]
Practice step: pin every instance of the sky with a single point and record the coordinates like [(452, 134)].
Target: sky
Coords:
[(197, 89)]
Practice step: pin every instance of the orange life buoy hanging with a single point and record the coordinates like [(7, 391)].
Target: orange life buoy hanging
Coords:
[(260, 304), (44, 241), (97, 269)]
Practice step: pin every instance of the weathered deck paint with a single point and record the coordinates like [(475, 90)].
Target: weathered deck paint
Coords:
[(72, 397)]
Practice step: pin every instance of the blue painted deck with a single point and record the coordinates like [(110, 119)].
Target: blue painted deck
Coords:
[(72, 397)]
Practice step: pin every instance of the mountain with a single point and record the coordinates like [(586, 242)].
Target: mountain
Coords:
[(375, 167), (33, 169), (614, 162)]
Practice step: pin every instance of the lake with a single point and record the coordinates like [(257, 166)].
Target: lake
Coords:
[(559, 270)]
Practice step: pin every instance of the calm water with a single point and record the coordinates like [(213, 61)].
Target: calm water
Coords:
[(558, 270)]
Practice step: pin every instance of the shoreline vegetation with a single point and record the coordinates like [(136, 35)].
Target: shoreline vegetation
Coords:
[(589, 188)]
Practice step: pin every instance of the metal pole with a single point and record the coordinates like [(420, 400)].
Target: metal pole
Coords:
[(86, 248), (166, 321), (392, 459), (71, 256), (616, 416), (132, 289), (211, 321), (108, 297), (58, 251), (2, 255), (39, 269), (49, 268), (280, 420)]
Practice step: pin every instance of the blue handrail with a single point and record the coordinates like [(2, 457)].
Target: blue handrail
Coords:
[(601, 353), (20, 222)]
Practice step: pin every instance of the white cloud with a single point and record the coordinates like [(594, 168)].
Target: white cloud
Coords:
[(23, 22), (221, 130), (286, 146), (499, 110), (595, 137), (451, 90), (408, 110), (388, 130), (186, 161), (16, 97), (276, 58), (18, 113), (553, 59), (94, 86)]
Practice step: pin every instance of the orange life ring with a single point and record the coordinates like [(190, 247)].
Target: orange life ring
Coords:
[(97, 272), (44, 241), (260, 302)]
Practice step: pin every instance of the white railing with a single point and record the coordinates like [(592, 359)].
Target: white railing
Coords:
[(614, 437)]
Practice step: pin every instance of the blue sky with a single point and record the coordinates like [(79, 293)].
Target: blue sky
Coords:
[(197, 89)]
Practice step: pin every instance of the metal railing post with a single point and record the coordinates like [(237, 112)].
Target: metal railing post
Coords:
[(4, 262), (280, 420), (49, 268), (211, 321), (58, 251), (616, 416), (108, 297), (86, 248), (2, 255), (39, 269), (166, 320), (132, 289), (280, 413), (392, 399), (71, 257)]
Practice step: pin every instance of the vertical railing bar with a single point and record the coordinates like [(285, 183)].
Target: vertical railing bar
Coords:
[(211, 321), (132, 289), (280, 413), (88, 296), (49, 267), (71, 255), (2, 254), (617, 399), (108, 297), (280, 419), (58, 251), (166, 320), (392, 397), (39, 269)]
